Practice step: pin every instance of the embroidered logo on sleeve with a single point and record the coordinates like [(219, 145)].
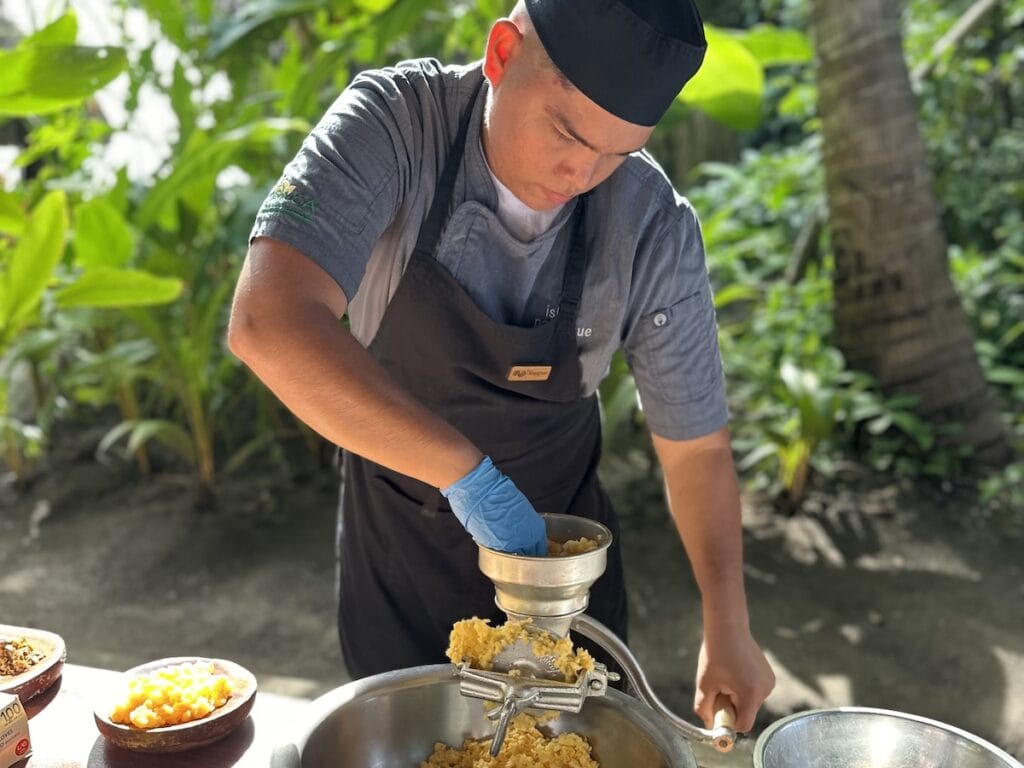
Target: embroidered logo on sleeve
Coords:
[(287, 200)]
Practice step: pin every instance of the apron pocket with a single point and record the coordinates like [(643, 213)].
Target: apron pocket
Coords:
[(429, 500)]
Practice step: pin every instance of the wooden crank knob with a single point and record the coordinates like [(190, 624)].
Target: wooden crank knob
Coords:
[(723, 732)]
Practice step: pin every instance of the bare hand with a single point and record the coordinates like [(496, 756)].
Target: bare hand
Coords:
[(732, 668)]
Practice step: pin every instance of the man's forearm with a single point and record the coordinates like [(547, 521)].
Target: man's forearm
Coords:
[(314, 365), (703, 496)]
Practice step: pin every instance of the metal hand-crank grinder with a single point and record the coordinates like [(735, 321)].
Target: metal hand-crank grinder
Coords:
[(552, 592)]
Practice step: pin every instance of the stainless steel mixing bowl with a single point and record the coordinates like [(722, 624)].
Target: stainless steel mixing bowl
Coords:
[(393, 720), (857, 737)]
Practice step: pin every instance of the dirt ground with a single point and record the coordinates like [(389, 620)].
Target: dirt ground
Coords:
[(874, 593)]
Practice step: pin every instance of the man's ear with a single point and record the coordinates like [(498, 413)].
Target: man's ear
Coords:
[(503, 44)]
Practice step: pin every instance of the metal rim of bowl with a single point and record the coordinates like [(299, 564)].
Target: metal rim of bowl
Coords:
[(603, 544), (297, 734), (771, 730)]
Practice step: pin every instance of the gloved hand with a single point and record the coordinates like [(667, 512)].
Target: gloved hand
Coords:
[(496, 513)]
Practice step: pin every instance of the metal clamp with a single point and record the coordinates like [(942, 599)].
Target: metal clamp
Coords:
[(517, 693)]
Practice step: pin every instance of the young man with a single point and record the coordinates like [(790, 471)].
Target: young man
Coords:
[(495, 233)]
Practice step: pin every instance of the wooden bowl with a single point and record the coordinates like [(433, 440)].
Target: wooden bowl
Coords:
[(43, 673), (178, 738)]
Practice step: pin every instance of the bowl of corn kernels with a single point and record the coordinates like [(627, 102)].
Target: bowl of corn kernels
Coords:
[(175, 704)]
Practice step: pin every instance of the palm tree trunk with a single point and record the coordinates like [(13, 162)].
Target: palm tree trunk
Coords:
[(897, 314)]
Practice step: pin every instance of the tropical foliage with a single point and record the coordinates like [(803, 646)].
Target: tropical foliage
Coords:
[(117, 257)]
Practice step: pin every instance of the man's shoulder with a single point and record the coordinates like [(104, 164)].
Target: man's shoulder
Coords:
[(428, 71), (641, 197), (643, 176), (428, 82)]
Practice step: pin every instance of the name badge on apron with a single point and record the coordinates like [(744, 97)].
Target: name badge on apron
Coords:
[(529, 373)]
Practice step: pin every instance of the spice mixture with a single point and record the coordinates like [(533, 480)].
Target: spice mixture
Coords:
[(17, 655)]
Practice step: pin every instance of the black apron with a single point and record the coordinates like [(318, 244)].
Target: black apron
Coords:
[(407, 569)]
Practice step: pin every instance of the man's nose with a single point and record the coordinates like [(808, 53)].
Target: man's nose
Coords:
[(580, 169)]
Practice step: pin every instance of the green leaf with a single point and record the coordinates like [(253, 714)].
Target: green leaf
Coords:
[(171, 16), (12, 218), (181, 94), (772, 45), (251, 17), (33, 261), (329, 61), (815, 402), (756, 456), (55, 137), (102, 236), (618, 403), (799, 101), (169, 433), (32, 344), (1005, 375), (915, 428), (374, 6), (1008, 338), (735, 292), (792, 377), (106, 287), (879, 425), (399, 20), (206, 332), (730, 85), (140, 432), (62, 31), (207, 159), (248, 450), (46, 78), (204, 9), (866, 409)]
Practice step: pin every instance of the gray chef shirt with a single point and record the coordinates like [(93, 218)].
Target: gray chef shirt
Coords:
[(354, 196)]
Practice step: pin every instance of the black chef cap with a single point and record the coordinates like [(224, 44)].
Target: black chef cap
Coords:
[(631, 57)]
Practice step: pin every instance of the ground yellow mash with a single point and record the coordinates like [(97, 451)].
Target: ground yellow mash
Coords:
[(172, 695), (476, 642), (524, 747), (571, 547)]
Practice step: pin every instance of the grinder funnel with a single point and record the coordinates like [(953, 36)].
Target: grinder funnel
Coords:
[(549, 590)]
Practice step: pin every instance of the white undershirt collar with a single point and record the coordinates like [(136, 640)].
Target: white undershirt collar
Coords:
[(519, 218)]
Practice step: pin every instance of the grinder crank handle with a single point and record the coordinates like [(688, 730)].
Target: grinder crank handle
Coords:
[(722, 736), (723, 730)]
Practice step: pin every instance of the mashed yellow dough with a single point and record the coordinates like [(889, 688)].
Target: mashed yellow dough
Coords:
[(571, 547), (524, 747), (172, 695), (476, 642)]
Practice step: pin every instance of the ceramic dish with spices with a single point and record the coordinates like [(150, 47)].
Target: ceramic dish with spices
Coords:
[(31, 660)]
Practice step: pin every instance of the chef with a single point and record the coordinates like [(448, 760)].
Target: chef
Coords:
[(437, 285)]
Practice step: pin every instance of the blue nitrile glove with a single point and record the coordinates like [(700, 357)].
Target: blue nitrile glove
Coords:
[(496, 513)]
